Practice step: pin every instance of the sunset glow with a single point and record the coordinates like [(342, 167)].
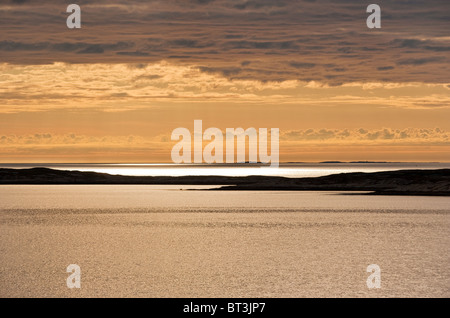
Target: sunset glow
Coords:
[(114, 90)]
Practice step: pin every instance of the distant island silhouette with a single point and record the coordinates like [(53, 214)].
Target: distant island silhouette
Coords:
[(401, 182)]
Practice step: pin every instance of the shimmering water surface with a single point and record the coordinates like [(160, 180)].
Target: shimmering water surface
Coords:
[(292, 170), (168, 241)]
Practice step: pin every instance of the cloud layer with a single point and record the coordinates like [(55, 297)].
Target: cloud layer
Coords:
[(409, 135), (265, 40), (139, 68), (124, 87), (336, 144), (304, 136)]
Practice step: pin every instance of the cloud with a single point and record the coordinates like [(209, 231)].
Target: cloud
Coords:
[(283, 40), (135, 53), (77, 47), (421, 61), (302, 65), (81, 148), (308, 144), (49, 139), (18, 46), (361, 135), (420, 44), (385, 68), (227, 72), (123, 87), (314, 136)]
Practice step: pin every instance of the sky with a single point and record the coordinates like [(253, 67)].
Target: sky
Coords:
[(114, 90)]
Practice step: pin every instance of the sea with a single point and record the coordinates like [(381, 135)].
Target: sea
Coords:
[(190, 241), (289, 170)]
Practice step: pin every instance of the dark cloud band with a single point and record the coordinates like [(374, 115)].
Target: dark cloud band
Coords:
[(246, 39)]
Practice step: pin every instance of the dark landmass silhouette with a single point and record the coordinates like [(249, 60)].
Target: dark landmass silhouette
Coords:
[(401, 182)]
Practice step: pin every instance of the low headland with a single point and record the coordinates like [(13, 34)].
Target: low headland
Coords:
[(400, 182)]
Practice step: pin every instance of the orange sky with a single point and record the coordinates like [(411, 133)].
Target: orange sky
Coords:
[(114, 90)]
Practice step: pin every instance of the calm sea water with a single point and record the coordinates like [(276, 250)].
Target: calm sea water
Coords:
[(167, 241), (287, 170)]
